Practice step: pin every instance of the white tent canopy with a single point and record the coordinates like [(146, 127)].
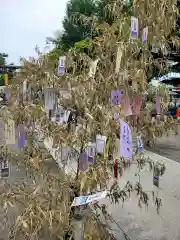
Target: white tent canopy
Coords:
[(169, 76)]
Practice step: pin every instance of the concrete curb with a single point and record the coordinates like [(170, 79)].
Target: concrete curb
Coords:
[(165, 160)]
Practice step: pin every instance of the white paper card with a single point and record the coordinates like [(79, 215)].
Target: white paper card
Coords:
[(145, 35), (50, 98), (82, 200), (100, 143)]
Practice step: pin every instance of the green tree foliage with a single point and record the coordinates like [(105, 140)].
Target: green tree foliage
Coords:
[(79, 29), (78, 24), (2, 60), (74, 30)]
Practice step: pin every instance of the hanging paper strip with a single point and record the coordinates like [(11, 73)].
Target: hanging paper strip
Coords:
[(116, 97), (123, 77), (118, 58), (24, 90), (83, 162), (4, 168), (134, 27), (136, 105), (6, 91), (61, 66), (2, 133), (155, 45), (50, 98), (21, 136), (100, 143), (126, 106), (91, 152), (93, 67), (106, 153), (10, 136), (139, 145), (145, 35), (126, 149), (64, 155), (158, 107)]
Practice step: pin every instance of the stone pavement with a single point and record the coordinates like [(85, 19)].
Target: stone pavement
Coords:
[(142, 224), (168, 146)]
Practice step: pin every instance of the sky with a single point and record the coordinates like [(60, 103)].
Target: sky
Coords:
[(26, 23)]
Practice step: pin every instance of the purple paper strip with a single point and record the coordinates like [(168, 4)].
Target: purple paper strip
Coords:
[(90, 160), (126, 149), (134, 27), (116, 97), (61, 71), (21, 136)]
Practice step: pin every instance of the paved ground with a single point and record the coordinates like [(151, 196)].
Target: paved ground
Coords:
[(146, 224), (168, 146)]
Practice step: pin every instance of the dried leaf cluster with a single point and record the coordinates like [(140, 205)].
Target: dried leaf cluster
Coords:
[(46, 196)]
